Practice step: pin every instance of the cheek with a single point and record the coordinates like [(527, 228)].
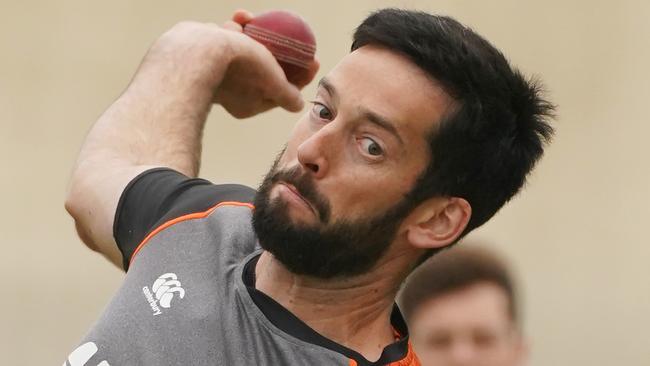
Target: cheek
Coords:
[(299, 134), (378, 187), (356, 192)]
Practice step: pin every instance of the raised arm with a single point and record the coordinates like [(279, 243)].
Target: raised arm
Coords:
[(158, 120)]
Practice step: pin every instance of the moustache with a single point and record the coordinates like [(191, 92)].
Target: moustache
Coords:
[(305, 186)]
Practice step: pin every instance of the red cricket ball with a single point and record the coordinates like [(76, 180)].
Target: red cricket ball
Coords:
[(289, 39)]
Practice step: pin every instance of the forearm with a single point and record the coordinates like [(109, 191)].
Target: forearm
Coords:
[(145, 127), (159, 119)]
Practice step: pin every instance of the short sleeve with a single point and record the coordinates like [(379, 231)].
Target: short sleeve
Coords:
[(160, 195)]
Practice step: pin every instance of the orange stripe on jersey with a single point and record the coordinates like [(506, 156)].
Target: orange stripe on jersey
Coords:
[(192, 216), (411, 359)]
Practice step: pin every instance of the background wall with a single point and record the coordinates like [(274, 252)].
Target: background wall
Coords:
[(577, 234)]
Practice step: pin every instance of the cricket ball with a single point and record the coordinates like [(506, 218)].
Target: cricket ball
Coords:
[(289, 39)]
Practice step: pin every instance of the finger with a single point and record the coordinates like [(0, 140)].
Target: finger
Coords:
[(276, 85), (288, 97), (233, 26), (242, 16), (240, 112)]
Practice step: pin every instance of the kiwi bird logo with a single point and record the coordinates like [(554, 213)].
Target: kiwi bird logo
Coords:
[(165, 287)]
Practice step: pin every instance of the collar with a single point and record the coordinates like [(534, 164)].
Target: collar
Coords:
[(395, 353)]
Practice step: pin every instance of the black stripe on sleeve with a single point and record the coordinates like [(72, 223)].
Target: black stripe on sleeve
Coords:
[(161, 194)]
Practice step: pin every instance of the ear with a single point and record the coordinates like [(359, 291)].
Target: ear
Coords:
[(438, 222)]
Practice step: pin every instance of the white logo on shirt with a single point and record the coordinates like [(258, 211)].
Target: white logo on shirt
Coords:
[(83, 353), (162, 292)]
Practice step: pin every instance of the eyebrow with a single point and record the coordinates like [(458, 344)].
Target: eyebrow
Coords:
[(370, 116)]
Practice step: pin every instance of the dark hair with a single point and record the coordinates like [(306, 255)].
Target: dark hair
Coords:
[(482, 150), (453, 270)]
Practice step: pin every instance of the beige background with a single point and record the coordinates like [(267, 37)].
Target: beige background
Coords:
[(577, 235)]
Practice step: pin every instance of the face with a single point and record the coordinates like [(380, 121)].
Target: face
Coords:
[(467, 327), (333, 201)]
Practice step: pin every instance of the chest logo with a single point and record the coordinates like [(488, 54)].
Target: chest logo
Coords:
[(82, 354), (162, 292)]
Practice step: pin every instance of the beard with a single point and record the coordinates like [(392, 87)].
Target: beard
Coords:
[(343, 248)]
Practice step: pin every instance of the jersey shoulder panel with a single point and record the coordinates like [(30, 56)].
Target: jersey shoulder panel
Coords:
[(158, 196)]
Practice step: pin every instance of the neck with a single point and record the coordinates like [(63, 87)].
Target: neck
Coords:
[(354, 312)]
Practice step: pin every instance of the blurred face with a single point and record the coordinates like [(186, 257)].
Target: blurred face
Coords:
[(467, 327), (334, 199)]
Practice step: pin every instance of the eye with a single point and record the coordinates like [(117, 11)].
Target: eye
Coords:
[(371, 147), (321, 111), (439, 341), (484, 339)]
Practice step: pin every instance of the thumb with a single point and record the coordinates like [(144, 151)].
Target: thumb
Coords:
[(242, 17)]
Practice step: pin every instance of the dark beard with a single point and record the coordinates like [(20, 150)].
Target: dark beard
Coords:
[(323, 250)]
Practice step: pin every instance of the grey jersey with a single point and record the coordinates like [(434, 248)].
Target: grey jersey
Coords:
[(189, 294)]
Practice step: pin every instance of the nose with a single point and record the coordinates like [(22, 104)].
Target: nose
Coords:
[(314, 154), (463, 353)]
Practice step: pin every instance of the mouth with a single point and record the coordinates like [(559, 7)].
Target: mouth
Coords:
[(298, 197)]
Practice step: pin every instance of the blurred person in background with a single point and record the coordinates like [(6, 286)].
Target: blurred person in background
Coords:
[(461, 310)]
